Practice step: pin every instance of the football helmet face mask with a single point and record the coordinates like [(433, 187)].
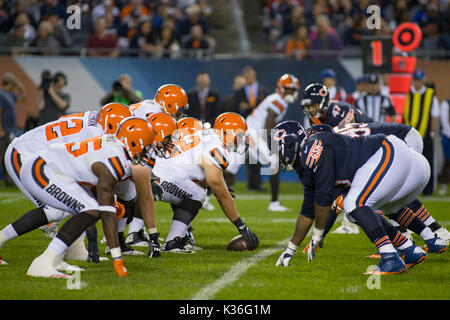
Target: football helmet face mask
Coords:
[(315, 100), (188, 126), (137, 135), (232, 129), (173, 100), (288, 87), (165, 128), (288, 137), (111, 115)]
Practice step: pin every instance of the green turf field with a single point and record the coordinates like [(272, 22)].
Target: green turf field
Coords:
[(214, 273)]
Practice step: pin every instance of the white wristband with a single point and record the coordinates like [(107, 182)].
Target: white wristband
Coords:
[(292, 246), (107, 208), (116, 253), (317, 235)]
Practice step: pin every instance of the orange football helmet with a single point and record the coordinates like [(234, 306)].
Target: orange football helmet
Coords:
[(173, 99), (136, 134), (188, 126), (111, 115), (165, 128), (232, 129), (286, 82)]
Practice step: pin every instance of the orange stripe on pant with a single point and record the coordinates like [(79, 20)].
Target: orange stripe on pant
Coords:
[(38, 173), (386, 160)]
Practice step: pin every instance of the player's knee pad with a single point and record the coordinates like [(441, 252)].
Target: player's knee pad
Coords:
[(53, 214)]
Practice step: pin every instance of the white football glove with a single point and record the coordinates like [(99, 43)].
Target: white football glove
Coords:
[(286, 256), (315, 242)]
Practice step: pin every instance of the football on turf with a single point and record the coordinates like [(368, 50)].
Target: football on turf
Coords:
[(237, 244)]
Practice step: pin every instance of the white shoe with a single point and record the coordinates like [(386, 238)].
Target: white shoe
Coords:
[(3, 262), (77, 251), (275, 206), (207, 205), (443, 233), (42, 267), (347, 227), (103, 240)]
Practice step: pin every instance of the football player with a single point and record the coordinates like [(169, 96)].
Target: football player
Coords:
[(55, 176), (171, 99), (67, 128), (197, 162), (381, 173), (269, 113)]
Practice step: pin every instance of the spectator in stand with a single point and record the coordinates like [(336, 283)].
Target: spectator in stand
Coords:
[(30, 33), (280, 13), (60, 31), (146, 40), (228, 104), (129, 27), (168, 42), (193, 17), (325, 38), (298, 43), (445, 125), (103, 7), (296, 18), (433, 26), (204, 102), (328, 78), (252, 94), (16, 39), (101, 43), (49, 6), (361, 88), (5, 10), (52, 101), (45, 40), (134, 6), (197, 44), (353, 36)]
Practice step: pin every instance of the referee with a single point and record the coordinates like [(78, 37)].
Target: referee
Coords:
[(374, 104), (422, 113)]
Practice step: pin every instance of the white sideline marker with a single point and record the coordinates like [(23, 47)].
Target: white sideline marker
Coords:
[(236, 271)]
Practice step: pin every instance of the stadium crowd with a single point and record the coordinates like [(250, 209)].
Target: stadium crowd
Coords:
[(161, 28), (295, 25)]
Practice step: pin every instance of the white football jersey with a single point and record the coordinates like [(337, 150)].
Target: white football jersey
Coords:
[(274, 102), (144, 108), (72, 127), (184, 163), (75, 159)]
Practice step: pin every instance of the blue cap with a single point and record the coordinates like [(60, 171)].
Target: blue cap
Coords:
[(419, 74), (373, 78), (327, 73)]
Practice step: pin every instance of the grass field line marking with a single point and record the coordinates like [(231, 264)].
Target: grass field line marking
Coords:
[(208, 292), (12, 199)]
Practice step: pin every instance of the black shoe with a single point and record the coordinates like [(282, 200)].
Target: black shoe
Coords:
[(137, 239), (177, 245)]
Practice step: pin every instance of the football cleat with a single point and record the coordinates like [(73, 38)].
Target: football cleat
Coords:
[(50, 230), (275, 206), (43, 268), (412, 256), (177, 245), (436, 245), (190, 236), (347, 227), (3, 262), (390, 263), (207, 205), (443, 233), (137, 239), (374, 256)]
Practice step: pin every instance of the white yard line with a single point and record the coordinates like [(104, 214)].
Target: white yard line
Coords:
[(12, 199), (236, 271)]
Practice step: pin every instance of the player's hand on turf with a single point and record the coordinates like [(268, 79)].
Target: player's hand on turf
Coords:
[(120, 268), (285, 257), (314, 245), (154, 250), (250, 238)]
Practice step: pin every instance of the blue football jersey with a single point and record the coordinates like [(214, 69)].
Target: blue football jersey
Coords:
[(328, 161), (340, 113)]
